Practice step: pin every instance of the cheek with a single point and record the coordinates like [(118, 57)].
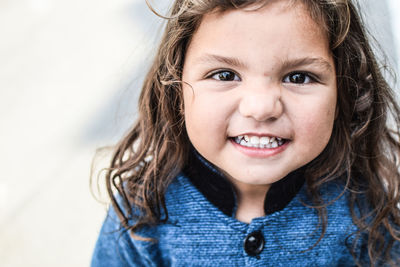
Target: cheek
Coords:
[(197, 111), (315, 125), (205, 118)]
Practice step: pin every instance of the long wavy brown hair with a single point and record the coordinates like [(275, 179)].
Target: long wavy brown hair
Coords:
[(363, 151)]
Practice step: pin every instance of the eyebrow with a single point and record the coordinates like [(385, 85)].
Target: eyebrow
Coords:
[(295, 63), (210, 58), (285, 64)]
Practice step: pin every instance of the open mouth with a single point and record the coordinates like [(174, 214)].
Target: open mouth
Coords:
[(259, 141)]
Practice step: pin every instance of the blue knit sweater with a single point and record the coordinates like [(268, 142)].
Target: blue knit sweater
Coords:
[(199, 234)]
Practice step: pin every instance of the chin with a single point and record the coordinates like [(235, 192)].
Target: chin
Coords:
[(261, 179)]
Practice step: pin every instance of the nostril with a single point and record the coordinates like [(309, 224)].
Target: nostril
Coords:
[(261, 108)]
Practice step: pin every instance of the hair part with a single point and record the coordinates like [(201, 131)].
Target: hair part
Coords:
[(363, 151)]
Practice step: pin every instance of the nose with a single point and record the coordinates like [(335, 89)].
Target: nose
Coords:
[(261, 102)]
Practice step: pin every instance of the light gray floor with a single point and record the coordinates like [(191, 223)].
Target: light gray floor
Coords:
[(69, 76)]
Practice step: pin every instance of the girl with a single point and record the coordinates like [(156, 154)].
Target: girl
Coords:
[(262, 140)]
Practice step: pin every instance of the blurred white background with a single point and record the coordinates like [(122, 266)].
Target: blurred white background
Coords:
[(70, 73)]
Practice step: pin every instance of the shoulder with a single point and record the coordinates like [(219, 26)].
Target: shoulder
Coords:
[(353, 208), (116, 245)]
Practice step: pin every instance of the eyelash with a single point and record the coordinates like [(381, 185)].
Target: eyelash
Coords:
[(286, 79), (211, 75), (307, 76)]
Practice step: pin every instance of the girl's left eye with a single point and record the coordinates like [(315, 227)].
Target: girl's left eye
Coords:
[(225, 75), (298, 78)]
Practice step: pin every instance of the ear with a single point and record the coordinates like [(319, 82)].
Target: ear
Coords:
[(181, 104), (182, 108)]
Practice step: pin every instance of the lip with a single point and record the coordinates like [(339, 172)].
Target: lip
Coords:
[(260, 152)]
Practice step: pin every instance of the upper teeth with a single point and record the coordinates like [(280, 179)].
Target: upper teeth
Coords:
[(260, 142)]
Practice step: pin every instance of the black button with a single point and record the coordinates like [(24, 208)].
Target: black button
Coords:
[(254, 243)]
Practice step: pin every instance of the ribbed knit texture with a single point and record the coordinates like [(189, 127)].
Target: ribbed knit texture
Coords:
[(199, 234)]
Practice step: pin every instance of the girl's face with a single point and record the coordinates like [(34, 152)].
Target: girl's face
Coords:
[(260, 97)]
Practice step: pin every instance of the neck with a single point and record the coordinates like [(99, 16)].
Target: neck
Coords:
[(220, 190), (250, 201)]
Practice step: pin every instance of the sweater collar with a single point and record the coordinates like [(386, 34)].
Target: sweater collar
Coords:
[(221, 193)]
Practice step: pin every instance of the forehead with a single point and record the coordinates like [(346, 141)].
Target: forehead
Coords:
[(294, 11), (253, 33)]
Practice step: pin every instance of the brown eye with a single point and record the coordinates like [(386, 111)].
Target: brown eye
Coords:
[(225, 76), (298, 78)]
